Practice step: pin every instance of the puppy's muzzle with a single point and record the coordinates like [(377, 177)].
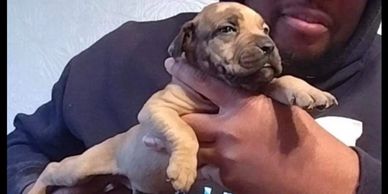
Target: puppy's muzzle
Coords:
[(258, 63), (258, 55), (266, 45)]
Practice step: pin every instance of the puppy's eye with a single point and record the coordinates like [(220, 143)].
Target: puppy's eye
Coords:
[(227, 29), (266, 29)]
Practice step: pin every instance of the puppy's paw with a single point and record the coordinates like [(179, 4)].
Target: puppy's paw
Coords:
[(182, 172), (312, 98), (294, 91)]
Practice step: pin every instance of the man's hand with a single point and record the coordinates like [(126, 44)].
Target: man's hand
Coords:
[(101, 184), (262, 146)]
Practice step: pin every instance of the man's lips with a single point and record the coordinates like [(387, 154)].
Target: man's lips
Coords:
[(306, 20)]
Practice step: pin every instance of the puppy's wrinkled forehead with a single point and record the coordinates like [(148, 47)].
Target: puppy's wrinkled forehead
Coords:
[(217, 14)]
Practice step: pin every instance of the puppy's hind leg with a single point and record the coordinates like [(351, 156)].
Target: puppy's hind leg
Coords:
[(97, 160)]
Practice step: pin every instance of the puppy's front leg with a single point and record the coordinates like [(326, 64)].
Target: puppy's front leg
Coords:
[(162, 112), (294, 91)]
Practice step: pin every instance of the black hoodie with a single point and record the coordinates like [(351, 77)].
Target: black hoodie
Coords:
[(354, 77), (102, 89)]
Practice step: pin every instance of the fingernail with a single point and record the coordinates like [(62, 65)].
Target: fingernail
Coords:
[(168, 64), (109, 187)]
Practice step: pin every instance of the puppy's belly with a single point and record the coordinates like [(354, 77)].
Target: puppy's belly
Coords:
[(145, 168)]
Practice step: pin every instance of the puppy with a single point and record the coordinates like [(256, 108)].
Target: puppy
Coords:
[(226, 40)]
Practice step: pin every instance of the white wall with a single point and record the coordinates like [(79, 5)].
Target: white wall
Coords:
[(43, 35)]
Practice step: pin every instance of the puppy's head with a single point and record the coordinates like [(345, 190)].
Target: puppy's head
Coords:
[(229, 41)]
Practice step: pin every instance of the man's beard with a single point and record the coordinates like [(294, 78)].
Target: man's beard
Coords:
[(317, 66)]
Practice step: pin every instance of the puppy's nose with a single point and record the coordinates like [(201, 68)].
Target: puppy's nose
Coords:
[(266, 46)]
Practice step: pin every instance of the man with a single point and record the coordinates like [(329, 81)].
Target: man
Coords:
[(331, 44)]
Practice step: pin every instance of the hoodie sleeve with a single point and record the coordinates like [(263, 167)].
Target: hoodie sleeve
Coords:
[(370, 173), (38, 139)]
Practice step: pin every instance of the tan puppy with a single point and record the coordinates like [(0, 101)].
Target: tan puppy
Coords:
[(227, 40)]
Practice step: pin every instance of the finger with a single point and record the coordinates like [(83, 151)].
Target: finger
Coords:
[(205, 126), (215, 90)]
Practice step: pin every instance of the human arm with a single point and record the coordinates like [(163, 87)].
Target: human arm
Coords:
[(276, 149)]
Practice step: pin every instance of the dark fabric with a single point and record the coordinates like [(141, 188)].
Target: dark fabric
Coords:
[(102, 89), (359, 97), (370, 173)]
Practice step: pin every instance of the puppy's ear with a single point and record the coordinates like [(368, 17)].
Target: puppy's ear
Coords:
[(185, 36)]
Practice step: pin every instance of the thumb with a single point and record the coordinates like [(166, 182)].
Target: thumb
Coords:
[(204, 125)]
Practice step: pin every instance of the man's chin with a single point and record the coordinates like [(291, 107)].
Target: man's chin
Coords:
[(301, 53), (292, 57)]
